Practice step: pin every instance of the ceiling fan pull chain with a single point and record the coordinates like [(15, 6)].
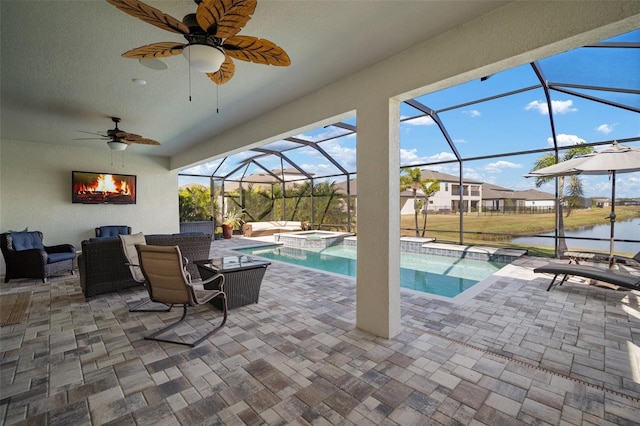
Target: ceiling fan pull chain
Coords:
[(189, 78), (217, 98)]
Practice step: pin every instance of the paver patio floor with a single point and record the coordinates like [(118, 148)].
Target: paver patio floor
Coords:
[(513, 354)]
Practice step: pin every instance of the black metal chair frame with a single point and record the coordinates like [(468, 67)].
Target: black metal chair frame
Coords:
[(194, 300)]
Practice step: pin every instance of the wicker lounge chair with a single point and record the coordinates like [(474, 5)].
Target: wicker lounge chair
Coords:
[(112, 231), (167, 283), (26, 256), (625, 280)]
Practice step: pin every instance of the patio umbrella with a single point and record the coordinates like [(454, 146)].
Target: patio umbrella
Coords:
[(610, 160)]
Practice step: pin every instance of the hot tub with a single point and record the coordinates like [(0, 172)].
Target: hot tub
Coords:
[(311, 239)]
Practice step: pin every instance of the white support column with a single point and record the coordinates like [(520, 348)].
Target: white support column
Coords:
[(378, 162)]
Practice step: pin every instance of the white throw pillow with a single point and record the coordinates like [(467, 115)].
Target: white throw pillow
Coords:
[(129, 243)]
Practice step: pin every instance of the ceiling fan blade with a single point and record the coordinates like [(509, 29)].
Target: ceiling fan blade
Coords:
[(145, 141), (91, 139), (224, 74), (93, 133), (155, 50), (257, 50), (150, 15), (224, 18), (128, 137)]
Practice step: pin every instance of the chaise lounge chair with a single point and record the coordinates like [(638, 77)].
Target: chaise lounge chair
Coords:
[(625, 280)]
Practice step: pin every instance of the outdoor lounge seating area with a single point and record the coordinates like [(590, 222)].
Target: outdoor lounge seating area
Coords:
[(104, 268), (262, 229), (515, 354)]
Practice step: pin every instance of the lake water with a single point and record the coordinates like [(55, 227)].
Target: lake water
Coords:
[(627, 230)]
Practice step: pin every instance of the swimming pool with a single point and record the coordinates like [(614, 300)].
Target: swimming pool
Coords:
[(439, 275), (311, 239)]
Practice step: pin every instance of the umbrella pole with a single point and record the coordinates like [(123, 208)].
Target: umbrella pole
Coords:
[(612, 216)]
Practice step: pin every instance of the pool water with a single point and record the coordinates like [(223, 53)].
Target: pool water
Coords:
[(314, 234), (440, 275)]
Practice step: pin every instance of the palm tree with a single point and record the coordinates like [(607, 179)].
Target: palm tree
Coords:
[(429, 186), (413, 180), (194, 203), (575, 190), (300, 191)]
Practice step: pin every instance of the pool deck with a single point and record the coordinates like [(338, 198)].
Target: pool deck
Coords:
[(512, 354)]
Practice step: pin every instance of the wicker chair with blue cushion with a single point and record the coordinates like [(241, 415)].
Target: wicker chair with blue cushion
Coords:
[(112, 231), (26, 256)]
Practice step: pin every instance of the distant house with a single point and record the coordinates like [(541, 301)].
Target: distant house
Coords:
[(290, 177), (538, 199), (485, 196), (601, 201), (498, 199), (446, 200)]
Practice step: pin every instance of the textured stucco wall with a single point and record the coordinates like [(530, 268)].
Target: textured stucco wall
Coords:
[(35, 192)]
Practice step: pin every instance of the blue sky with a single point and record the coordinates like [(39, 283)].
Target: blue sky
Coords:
[(515, 123)]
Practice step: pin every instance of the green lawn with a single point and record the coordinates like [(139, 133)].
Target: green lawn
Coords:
[(485, 229)]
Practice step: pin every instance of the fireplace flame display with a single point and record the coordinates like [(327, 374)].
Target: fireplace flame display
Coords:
[(103, 188)]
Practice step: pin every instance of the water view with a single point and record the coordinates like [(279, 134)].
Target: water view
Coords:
[(628, 230)]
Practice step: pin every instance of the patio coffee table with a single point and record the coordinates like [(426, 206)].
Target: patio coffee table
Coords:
[(242, 278)]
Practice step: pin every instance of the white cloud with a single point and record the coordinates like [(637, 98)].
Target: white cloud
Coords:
[(498, 166), (605, 128), (558, 107), (443, 156), (566, 140), (473, 113), (318, 169), (346, 156), (420, 121), (471, 173), (409, 157), (329, 132), (627, 185)]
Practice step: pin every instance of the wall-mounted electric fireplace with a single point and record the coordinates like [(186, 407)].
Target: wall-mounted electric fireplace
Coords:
[(103, 188)]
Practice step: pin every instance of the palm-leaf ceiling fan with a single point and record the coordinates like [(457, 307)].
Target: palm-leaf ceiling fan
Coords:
[(119, 140), (211, 37)]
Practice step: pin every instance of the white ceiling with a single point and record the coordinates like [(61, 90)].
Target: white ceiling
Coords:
[(62, 73)]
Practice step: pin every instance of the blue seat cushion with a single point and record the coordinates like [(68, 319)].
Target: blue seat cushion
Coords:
[(113, 231), (59, 257), (26, 241)]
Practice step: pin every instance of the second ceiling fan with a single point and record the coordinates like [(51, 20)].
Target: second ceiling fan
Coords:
[(211, 37), (119, 140)]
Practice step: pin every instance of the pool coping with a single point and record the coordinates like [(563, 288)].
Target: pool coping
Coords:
[(429, 246)]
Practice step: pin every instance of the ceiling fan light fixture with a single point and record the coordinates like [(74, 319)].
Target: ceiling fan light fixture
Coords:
[(117, 146), (203, 58)]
